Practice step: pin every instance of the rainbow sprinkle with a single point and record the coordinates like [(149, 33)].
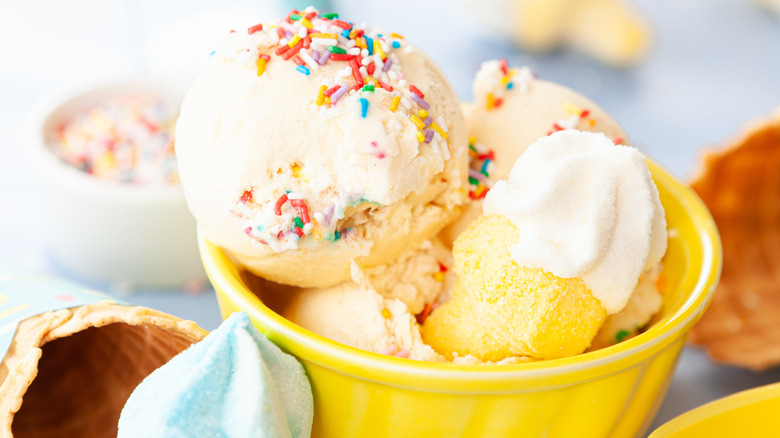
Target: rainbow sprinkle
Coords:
[(480, 161), (128, 139), (368, 70)]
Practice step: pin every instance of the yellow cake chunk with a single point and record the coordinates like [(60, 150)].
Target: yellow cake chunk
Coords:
[(500, 309)]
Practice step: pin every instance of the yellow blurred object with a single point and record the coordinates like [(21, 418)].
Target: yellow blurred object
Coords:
[(500, 309), (751, 413), (613, 392), (608, 30)]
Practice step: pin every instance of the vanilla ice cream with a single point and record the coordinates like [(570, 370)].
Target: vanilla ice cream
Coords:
[(309, 144), (512, 109), (361, 318)]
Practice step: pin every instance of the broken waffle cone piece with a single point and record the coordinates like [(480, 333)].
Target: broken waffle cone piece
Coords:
[(740, 184), (69, 372)]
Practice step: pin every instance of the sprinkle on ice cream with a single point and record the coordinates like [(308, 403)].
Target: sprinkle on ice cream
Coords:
[(369, 70)]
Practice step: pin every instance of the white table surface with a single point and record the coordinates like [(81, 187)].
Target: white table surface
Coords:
[(715, 65)]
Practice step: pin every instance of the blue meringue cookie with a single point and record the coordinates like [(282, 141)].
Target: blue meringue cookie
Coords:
[(234, 383)]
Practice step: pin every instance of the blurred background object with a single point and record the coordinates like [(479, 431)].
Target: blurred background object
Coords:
[(611, 31)]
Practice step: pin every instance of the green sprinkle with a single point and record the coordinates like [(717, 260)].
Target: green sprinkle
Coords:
[(471, 146), (298, 222), (334, 49), (473, 181), (336, 235), (295, 17), (368, 87), (330, 16), (622, 335)]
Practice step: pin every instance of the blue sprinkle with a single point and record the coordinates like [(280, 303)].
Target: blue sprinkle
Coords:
[(303, 70), (510, 85), (260, 227), (336, 235), (485, 165), (396, 44), (212, 52), (370, 45), (345, 33), (363, 107)]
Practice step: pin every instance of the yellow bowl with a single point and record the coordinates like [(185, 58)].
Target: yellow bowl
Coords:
[(750, 413), (614, 392)]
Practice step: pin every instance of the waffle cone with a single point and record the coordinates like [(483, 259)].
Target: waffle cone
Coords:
[(69, 372), (740, 183)]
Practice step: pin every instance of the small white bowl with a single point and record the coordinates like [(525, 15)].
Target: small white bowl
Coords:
[(104, 230)]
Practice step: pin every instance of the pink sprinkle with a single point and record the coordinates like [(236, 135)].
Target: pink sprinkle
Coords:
[(403, 354), (476, 175), (248, 231), (389, 350), (64, 298)]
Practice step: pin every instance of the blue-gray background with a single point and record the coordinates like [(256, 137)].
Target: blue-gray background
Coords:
[(715, 64)]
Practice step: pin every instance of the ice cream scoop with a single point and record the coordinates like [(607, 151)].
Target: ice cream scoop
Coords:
[(310, 143), (234, 383), (562, 244), (512, 109)]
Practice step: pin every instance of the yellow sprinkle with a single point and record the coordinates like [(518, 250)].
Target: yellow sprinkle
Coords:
[(505, 80), (394, 104), (327, 101), (420, 136), (293, 41), (436, 128), (591, 122), (479, 191), (321, 96), (395, 35), (296, 171), (472, 140), (324, 35), (386, 313), (316, 233), (423, 114), (371, 79), (306, 23), (490, 101), (438, 276), (572, 108), (260, 66), (378, 49), (417, 122)]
